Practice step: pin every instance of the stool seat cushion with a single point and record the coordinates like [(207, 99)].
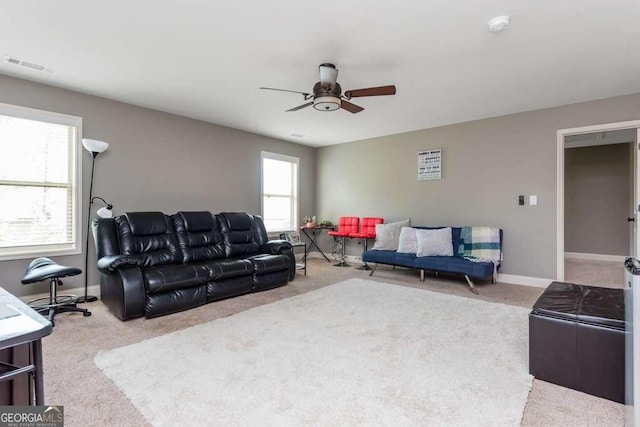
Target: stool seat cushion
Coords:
[(44, 268), (338, 233), (363, 235)]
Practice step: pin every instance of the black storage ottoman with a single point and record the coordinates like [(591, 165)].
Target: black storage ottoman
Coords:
[(576, 339)]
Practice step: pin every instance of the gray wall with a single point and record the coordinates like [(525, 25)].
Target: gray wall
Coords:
[(598, 185), (486, 165), (156, 161)]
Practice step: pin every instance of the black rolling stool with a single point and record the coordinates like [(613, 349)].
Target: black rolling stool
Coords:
[(42, 269)]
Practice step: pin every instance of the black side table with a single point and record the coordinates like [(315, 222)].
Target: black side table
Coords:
[(313, 237), (301, 265)]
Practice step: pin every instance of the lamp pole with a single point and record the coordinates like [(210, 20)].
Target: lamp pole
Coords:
[(87, 297), (94, 147)]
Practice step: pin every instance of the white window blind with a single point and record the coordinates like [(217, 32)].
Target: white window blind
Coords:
[(38, 182), (279, 192)]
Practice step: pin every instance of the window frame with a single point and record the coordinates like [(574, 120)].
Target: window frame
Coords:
[(75, 247), (295, 206)]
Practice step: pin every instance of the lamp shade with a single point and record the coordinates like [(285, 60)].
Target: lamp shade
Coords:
[(94, 146), (328, 75), (104, 212)]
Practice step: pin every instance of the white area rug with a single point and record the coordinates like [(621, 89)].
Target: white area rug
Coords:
[(354, 353)]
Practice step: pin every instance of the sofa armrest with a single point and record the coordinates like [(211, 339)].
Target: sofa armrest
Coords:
[(275, 247), (110, 263), (281, 247)]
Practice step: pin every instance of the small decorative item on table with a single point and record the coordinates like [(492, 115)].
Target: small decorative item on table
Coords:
[(310, 221)]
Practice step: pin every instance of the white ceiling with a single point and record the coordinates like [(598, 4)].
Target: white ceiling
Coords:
[(206, 59)]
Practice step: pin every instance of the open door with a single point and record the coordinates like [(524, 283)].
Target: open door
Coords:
[(632, 304), (634, 218)]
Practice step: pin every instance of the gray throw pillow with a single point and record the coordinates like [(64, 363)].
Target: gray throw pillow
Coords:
[(408, 243), (388, 235), (434, 242)]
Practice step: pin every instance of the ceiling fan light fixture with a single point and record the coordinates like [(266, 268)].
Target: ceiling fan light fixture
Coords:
[(328, 75), (326, 103)]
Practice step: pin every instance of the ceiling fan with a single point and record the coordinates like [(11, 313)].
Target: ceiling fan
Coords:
[(327, 94)]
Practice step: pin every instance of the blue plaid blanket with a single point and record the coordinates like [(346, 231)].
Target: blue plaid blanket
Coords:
[(481, 244)]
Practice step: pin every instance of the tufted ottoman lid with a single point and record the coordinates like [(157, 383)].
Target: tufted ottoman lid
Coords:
[(584, 304)]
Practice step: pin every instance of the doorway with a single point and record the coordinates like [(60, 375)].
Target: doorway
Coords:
[(597, 193), (598, 201)]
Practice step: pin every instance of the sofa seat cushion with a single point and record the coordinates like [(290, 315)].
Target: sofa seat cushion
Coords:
[(227, 268), (166, 278), (264, 264), (173, 301), (390, 257), (455, 265)]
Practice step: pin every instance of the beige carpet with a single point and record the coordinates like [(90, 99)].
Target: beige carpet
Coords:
[(594, 273), (91, 399), (357, 352)]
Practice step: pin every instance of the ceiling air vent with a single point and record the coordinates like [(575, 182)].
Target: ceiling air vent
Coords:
[(32, 66)]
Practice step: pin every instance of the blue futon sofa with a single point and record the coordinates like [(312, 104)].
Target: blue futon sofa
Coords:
[(456, 265)]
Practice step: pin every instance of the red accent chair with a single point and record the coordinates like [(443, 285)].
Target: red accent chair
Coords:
[(367, 231), (346, 226)]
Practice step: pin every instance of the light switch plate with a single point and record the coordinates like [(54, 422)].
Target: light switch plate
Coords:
[(533, 200)]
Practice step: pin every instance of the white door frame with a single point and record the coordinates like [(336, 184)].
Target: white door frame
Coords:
[(562, 133)]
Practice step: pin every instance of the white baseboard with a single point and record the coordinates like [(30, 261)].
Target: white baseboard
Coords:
[(91, 290), (594, 257), (348, 258), (514, 279)]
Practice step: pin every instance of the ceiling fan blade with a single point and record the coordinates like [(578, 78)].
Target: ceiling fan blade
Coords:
[(352, 108), (371, 91), (300, 107), (286, 90)]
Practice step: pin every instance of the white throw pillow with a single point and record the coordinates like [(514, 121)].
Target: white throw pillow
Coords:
[(434, 242), (388, 235), (408, 242)]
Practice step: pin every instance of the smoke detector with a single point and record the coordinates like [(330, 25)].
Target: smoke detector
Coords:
[(499, 24), (26, 64)]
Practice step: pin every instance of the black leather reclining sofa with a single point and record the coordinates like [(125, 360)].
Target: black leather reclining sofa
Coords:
[(154, 264)]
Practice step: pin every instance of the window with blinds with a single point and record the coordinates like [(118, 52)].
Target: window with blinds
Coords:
[(39, 194), (279, 192)]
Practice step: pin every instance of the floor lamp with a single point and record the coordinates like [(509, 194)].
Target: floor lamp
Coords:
[(94, 147)]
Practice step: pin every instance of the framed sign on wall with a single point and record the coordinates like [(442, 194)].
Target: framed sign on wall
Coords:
[(430, 164)]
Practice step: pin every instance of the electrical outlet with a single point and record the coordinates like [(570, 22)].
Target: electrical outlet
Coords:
[(521, 200)]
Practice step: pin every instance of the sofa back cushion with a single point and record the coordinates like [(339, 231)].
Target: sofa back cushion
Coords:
[(105, 237), (199, 236), (148, 237), (241, 232)]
